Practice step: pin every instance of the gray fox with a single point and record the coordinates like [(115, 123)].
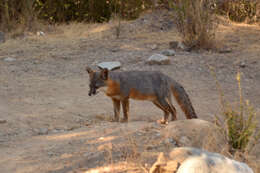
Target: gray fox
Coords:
[(141, 85)]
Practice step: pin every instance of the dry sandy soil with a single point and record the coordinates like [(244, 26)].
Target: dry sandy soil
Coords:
[(52, 125)]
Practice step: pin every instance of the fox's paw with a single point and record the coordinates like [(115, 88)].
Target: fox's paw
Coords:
[(162, 121), (115, 120)]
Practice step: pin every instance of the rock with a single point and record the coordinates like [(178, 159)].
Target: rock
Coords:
[(185, 159), (154, 46), (242, 64), (115, 49), (109, 65), (2, 121), (170, 141), (181, 46), (227, 50), (173, 44), (9, 59), (40, 33), (42, 131), (177, 45), (158, 59), (196, 133), (168, 52), (2, 37)]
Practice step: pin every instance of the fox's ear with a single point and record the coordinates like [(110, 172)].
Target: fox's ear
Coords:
[(104, 73), (89, 70)]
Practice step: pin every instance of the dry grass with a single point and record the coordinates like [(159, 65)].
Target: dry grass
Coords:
[(239, 126), (196, 22)]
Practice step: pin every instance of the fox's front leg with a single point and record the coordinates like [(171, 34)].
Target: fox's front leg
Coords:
[(125, 105), (116, 104)]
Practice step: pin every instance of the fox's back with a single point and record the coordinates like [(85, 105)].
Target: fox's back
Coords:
[(146, 82)]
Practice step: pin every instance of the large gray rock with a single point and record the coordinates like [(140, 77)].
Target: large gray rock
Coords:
[(158, 59), (193, 160), (2, 37), (112, 65)]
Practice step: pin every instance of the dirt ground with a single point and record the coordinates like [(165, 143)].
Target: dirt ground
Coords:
[(52, 125)]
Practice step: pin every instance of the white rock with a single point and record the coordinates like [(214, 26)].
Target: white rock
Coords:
[(158, 59), (194, 160), (204, 162), (109, 65), (40, 33)]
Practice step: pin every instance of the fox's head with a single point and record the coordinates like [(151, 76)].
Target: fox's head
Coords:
[(96, 80)]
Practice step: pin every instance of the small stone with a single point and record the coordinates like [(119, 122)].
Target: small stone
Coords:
[(168, 52), (50, 154), (139, 134), (173, 44), (154, 46), (43, 131), (181, 46), (9, 59), (2, 37), (242, 64), (112, 65), (114, 50), (2, 121), (177, 45), (227, 50), (170, 141), (158, 59), (40, 33), (157, 134)]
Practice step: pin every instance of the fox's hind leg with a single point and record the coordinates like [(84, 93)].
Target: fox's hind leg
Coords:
[(116, 104), (165, 109), (125, 105), (171, 109)]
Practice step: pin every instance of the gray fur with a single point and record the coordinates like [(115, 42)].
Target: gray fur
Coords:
[(147, 83)]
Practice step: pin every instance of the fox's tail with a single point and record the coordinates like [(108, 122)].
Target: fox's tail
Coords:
[(183, 100)]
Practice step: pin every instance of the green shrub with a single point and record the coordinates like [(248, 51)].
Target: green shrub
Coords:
[(239, 122)]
